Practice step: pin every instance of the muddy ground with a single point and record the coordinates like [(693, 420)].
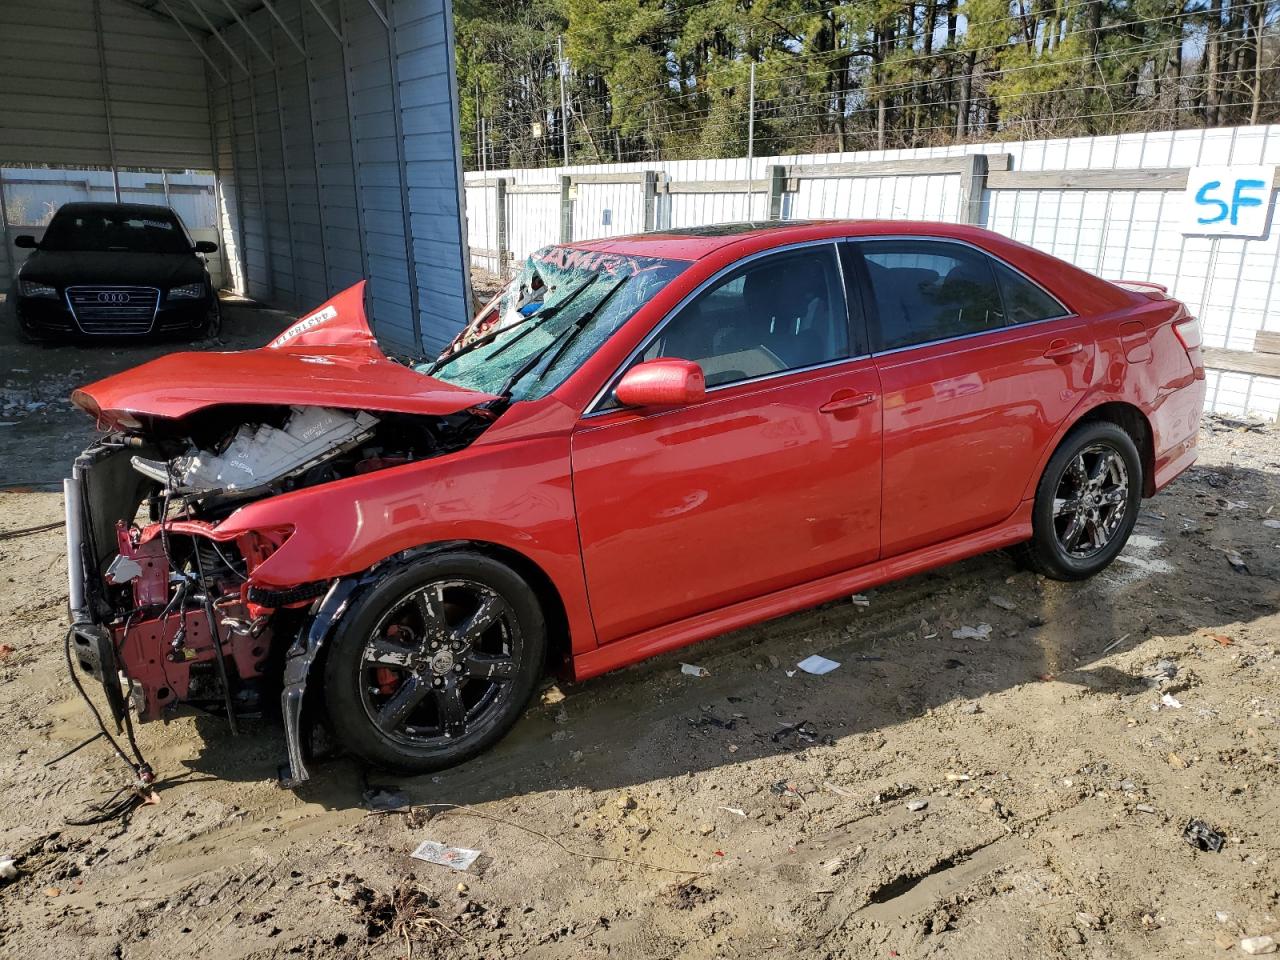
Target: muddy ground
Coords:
[(650, 814)]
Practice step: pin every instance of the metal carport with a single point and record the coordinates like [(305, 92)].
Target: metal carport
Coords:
[(330, 126)]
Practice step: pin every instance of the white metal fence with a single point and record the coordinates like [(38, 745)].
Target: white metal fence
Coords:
[(1111, 205)]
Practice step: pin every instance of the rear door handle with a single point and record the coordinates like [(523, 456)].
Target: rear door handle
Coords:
[(1063, 349), (849, 401)]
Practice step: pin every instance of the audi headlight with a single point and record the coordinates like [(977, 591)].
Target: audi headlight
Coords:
[(31, 288), (190, 291)]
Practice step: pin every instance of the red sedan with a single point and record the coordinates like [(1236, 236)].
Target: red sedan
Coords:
[(640, 443)]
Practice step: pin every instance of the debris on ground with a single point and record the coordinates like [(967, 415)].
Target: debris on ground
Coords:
[(785, 788), (981, 632), (459, 858), (858, 600), (1255, 946), (801, 728), (1170, 701), (692, 670), (1202, 836), (1115, 643), (1004, 603), (1161, 671), (6, 651), (384, 800), (1237, 562), (8, 869), (915, 806), (817, 665)]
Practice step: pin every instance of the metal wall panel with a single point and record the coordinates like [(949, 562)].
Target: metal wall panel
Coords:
[(343, 163), (66, 100)]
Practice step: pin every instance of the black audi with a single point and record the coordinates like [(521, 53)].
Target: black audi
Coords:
[(117, 270)]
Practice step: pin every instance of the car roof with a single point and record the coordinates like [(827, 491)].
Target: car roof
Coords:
[(129, 209), (694, 243)]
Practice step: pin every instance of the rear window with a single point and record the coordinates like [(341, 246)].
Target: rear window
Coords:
[(926, 290), (116, 231), (1026, 301)]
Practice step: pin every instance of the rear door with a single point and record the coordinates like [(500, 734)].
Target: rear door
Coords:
[(979, 366), (772, 480)]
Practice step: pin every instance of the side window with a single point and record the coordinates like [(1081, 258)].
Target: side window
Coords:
[(925, 290), (1026, 301), (778, 313)]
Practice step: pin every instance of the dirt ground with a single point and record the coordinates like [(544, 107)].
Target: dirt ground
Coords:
[(1022, 795)]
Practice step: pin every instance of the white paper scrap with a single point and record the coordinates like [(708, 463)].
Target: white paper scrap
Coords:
[(817, 665), (459, 858)]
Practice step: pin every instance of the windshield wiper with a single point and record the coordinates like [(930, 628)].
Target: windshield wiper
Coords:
[(556, 348), (543, 314)]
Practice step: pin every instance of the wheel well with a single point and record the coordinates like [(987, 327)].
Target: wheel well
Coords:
[(559, 647), (1133, 422)]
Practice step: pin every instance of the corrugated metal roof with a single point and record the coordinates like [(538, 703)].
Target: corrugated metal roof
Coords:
[(218, 13)]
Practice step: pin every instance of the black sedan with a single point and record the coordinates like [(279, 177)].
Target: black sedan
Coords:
[(117, 270)]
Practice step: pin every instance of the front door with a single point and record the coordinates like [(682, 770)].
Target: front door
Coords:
[(771, 481)]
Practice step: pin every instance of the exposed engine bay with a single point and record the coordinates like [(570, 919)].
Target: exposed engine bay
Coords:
[(166, 616)]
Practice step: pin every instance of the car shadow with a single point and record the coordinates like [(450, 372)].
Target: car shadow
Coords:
[(899, 659)]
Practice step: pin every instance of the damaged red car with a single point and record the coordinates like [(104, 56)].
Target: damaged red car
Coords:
[(640, 443)]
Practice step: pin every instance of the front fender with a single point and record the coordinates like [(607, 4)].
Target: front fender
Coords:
[(516, 495)]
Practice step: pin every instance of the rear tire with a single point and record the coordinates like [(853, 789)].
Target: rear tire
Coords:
[(435, 663), (1086, 503)]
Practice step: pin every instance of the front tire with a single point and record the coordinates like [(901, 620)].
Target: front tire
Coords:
[(435, 662), (213, 323), (1086, 503)]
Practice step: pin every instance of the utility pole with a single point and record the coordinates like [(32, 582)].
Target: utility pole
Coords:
[(479, 128), (751, 138), (564, 103)]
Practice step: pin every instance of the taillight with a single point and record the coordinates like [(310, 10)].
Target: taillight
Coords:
[(1188, 332)]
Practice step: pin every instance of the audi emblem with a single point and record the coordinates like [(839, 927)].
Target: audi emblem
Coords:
[(113, 298)]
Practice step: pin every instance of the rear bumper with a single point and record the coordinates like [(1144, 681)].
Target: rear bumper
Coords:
[(1177, 431), (46, 317)]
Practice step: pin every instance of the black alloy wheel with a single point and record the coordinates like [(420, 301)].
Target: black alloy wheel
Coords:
[(1086, 503), (434, 663)]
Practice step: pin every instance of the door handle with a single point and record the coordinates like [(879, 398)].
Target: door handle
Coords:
[(1063, 349), (847, 401)]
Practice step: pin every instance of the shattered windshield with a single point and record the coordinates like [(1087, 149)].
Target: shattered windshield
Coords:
[(554, 314)]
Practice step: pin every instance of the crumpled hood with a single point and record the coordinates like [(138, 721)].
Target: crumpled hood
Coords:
[(328, 358)]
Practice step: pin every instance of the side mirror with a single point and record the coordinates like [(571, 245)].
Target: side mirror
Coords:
[(205, 246), (25, 240), (663, 382)]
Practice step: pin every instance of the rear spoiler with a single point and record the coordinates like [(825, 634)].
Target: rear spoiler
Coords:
[(1155, 291)]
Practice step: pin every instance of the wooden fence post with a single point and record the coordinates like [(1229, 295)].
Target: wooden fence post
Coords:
[(650, 200), (777, 184), (500, 204), (566, 209), (973, 182)]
